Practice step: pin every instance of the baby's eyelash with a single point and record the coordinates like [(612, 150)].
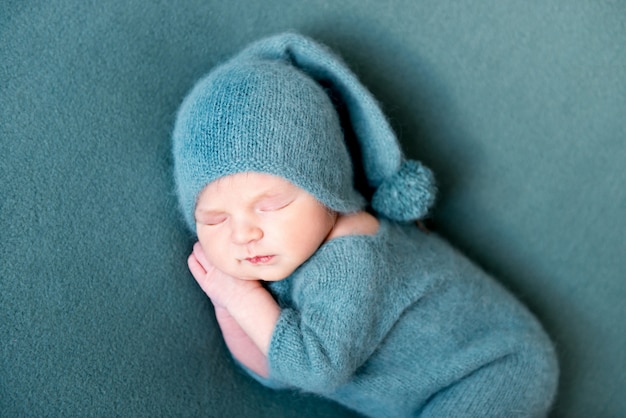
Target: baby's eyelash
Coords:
[(273, 206), (214, 220)]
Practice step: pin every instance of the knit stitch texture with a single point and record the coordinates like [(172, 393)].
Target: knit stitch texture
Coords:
[(400, 324), (269, 109)]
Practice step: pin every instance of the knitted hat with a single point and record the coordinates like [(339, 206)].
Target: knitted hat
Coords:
[(269, 110)]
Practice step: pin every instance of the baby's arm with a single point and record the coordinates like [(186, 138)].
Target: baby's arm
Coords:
[(243, 308), (240, 344)]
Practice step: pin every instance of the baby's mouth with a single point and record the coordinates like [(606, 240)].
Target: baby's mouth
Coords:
[(260, 259)]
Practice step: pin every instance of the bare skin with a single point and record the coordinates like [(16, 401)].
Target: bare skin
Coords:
[(250, 229)]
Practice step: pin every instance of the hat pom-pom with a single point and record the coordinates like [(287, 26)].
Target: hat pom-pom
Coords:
[(408, 194)]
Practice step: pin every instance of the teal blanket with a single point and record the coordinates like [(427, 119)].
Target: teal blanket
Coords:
[(518, 107)]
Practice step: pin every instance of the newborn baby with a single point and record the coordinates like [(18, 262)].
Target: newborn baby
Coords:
[(326, 285)]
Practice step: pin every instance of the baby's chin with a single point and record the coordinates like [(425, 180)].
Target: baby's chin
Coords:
[(265, 276), (272, 278), (270, 273)]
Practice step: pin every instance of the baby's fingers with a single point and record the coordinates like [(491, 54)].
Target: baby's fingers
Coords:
[(196, 269), (200, 257)]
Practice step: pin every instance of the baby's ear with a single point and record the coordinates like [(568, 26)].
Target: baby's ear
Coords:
[(358, 223)]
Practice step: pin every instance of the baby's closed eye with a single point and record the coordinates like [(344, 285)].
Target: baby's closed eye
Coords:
[(274, 203), (210, 218)]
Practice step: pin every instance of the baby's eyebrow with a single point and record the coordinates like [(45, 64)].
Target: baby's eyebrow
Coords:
[(275, 192), (269, 195), (208, 212)]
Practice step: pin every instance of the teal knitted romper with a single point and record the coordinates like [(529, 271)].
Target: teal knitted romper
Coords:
[(401, 324), (396, 324)]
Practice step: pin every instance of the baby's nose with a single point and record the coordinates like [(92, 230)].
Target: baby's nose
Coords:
[(244, 232)]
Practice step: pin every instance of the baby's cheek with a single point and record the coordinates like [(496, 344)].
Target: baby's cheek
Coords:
[(215, 255)]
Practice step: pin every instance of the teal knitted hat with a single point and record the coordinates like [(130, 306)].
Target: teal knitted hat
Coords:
[(273, 109)]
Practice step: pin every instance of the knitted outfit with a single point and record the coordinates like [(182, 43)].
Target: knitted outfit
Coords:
[(400, 324), (395, 324), (271, 109)]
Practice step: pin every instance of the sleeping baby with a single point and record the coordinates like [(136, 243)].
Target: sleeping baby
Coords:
[(304, 207)]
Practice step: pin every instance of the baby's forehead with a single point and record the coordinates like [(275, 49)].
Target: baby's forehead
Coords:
[(250, 183), (251, 178), (247, 188)]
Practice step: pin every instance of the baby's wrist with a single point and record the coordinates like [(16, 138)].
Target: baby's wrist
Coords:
[(245, 298)]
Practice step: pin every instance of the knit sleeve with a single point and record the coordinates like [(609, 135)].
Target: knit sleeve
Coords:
[(336, 321)]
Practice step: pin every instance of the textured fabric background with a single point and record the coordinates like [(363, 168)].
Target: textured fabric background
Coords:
[(519, 107)]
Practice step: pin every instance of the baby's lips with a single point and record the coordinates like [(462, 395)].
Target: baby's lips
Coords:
[(260, 259)]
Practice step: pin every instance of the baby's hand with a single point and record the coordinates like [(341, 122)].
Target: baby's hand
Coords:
[(221, 288)]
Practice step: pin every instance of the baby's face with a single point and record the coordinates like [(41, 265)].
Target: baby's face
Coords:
[(258, 226)]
